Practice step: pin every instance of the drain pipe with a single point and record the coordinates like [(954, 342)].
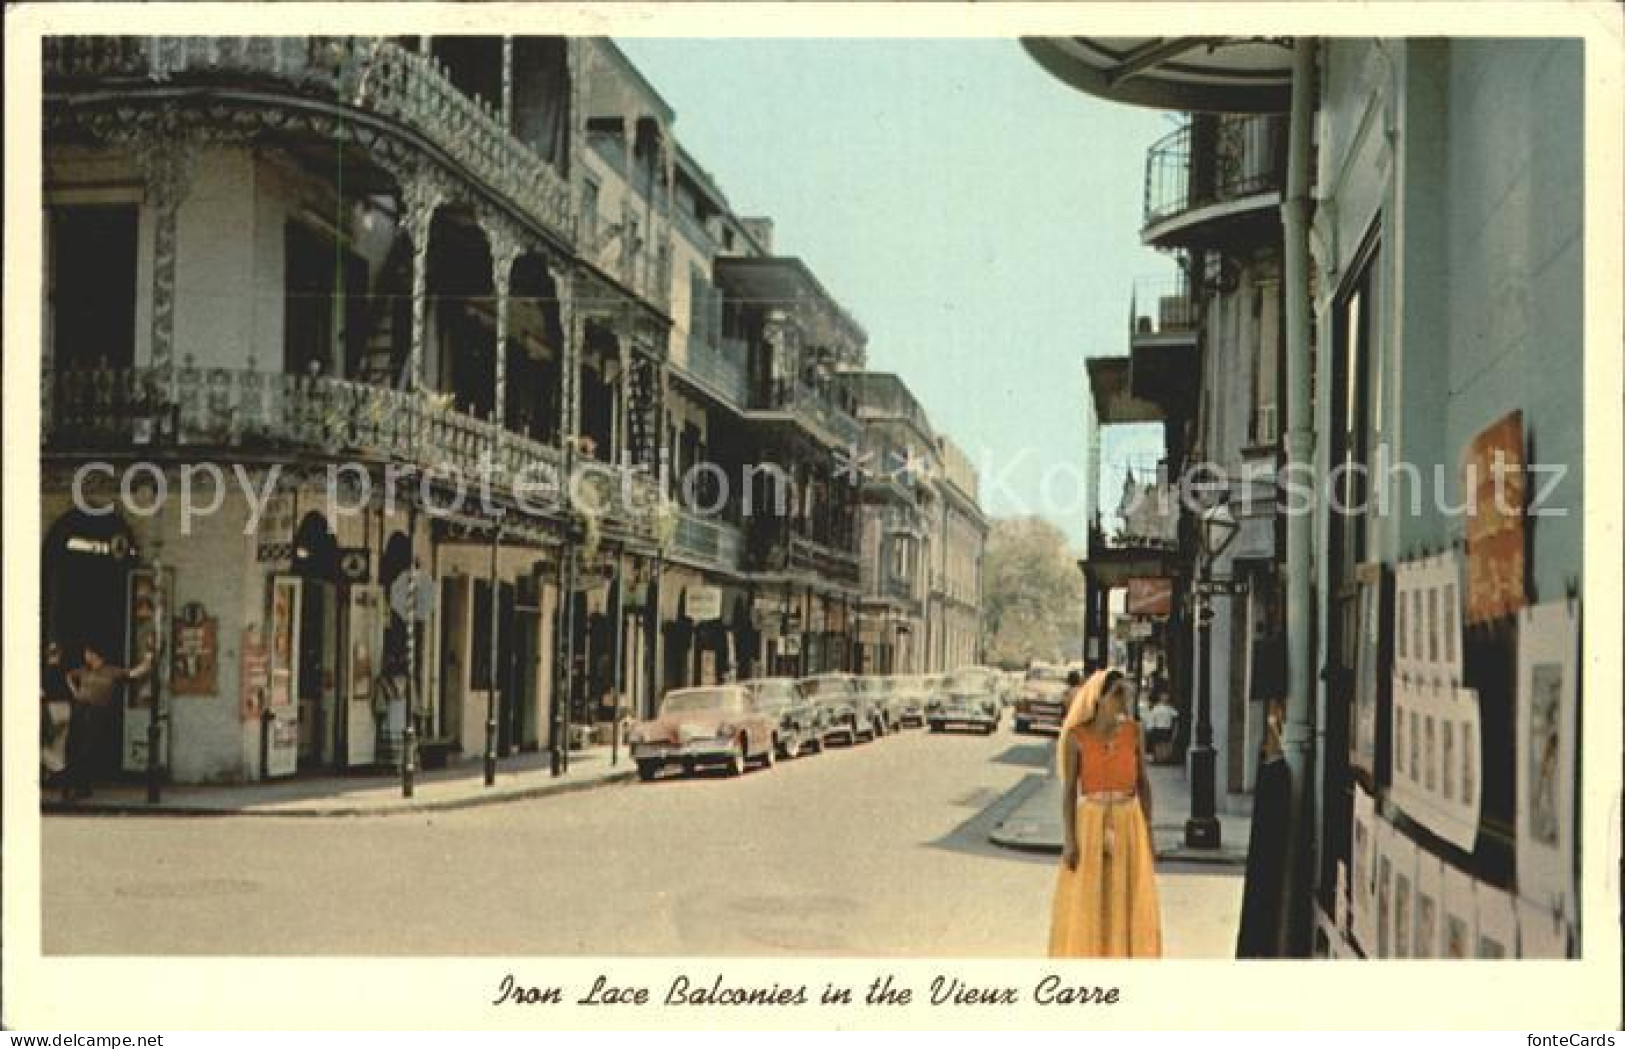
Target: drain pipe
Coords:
[(1299, 731)]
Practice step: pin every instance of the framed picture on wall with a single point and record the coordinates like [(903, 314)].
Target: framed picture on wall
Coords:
[(1548, 639)]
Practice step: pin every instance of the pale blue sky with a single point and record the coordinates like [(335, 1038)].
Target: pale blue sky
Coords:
[(979, 218)]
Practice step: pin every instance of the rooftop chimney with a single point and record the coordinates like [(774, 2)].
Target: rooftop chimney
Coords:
[(761, 230)]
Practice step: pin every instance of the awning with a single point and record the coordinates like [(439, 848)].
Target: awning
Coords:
[(1201, 73)]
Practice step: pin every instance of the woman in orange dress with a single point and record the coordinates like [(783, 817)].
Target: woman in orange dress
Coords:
[(1106, 891)]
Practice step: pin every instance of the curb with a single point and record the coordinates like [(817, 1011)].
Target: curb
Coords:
[(1175, 853), (137, 808)]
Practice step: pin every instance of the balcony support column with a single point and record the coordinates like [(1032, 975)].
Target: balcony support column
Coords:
[(1298, 737), (507, 84), (505, 251), (165, 158)]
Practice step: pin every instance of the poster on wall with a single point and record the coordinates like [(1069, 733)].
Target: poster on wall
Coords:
[(1460, 929), (194, 651), (253, 673), (1497, 922), (1436, 739), (1363, 871), (282, 755), (1542, 933), (1402, 855), (1493, 484), (1363, 718), (1428, 929), (1427, 620), (145, 604), (1548, 698)]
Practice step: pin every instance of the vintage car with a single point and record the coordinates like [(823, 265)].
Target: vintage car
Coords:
[(801, 721), (850, 714), (718, 726), (969, 697), (888, 709), (911, 693), (1041, 704)]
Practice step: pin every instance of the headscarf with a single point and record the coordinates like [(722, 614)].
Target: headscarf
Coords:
[(1081, 711)]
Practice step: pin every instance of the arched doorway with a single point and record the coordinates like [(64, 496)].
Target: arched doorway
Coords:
[(316, 636), (87, 589)]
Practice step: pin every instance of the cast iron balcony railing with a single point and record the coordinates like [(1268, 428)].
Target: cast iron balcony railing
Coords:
[(710, 539), (1162, 306), (133, 408), (1184, 171), (374, 75), (721, 368)]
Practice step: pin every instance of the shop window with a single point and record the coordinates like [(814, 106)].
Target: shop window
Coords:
[(92, 285)]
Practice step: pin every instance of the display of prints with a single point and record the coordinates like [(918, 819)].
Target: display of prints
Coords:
[(1427, 936), (1460, 930), (1435, 738), (1542, 933), (1363, 870), (1548, 638), (194, 652), (1497, 923), (1427, 599), (1493, 483)]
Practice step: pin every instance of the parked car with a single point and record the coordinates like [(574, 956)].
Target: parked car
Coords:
[(801, 721), (849, 713), (969, 697), (1041, 703), (719, 725), (911, 692), (887, 712)]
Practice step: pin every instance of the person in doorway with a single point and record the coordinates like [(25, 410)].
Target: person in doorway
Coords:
[(56, 711), (1105, 893), (90, 732)]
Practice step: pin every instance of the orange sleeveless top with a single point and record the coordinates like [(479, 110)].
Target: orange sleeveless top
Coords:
[(1108, 765)]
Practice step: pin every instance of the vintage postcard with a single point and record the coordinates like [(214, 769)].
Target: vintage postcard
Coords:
[(547, 515)]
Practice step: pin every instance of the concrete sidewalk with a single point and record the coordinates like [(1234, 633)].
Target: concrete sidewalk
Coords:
[(460, 786), (1034, 824)]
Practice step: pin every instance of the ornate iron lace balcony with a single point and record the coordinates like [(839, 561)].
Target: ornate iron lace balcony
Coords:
[(1211, 170), (372, 75)]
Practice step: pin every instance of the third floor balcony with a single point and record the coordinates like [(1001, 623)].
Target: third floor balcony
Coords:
[(1215, 181)]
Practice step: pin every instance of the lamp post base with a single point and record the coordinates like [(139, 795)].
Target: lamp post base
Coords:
[(1202, 832)]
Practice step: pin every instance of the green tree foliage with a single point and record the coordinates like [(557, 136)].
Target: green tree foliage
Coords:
[(1032, 596)]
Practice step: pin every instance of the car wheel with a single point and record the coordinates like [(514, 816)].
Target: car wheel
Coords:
[(771, 754), (791, 748), (736, 761), (936, 726), (1020, 727), (647, 770)]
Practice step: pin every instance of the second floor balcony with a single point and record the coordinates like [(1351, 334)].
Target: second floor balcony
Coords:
[(1214, 181)]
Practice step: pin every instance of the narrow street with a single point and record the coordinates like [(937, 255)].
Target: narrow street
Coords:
[(879, 850)]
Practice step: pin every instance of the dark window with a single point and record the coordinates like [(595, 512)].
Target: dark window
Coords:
[(92, 285), (324, 314)]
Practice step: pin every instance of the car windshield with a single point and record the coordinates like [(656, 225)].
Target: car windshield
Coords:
[(970, 679), (697, 700), (777, 692), (1046, 676), (824, 687), (872, 684)]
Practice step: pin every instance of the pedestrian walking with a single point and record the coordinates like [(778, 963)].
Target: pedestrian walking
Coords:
[(56, 711), (1105, 892), (90, 731)]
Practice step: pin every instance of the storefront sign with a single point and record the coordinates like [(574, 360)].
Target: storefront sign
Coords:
[(704, 603), (253, 673), (193, 668), (1149, 597), (1494, 485)]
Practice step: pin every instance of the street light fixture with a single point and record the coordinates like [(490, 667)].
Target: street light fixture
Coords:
[(1217, 528)]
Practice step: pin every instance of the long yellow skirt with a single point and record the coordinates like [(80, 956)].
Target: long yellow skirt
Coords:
[(1107, 906)]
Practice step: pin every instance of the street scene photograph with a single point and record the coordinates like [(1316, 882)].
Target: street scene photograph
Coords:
[(1018, 497)]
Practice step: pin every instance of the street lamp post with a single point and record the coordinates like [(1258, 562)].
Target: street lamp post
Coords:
[(1218, 528)]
